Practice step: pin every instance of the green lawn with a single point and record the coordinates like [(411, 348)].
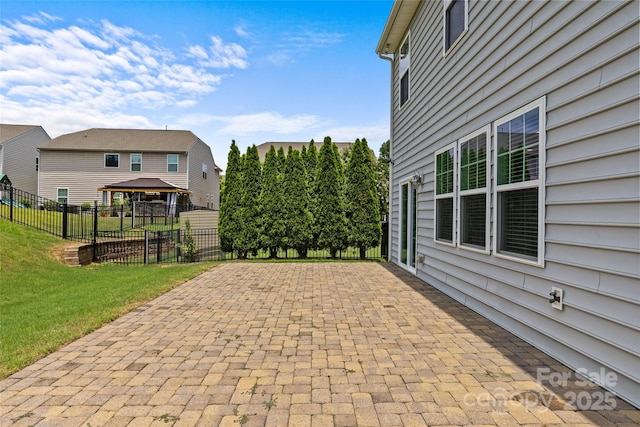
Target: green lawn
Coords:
[(45, 304)]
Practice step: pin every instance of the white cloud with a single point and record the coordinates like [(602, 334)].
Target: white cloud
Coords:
[(241, 30), (67, 77), (220, 55), (268, 122)]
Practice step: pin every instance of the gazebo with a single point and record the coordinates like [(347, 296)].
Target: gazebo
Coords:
[(149, 189)]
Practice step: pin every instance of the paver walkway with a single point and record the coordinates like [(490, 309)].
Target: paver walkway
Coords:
[(300, 344)]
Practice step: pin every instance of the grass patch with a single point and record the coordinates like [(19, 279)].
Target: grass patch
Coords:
[(45, 304)]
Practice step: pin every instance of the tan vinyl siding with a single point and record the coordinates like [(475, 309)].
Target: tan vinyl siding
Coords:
[(583, 56), (19, 158), (198, 154), (84, 172)]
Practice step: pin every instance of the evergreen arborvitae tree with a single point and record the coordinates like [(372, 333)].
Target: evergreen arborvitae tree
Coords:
[(310, 160), (230, 219), (248, 240), (331, 221), (272, 209), (298, 218), (281, 160), (382, 173), (362, 204)]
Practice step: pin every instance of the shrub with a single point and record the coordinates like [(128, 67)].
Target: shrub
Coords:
[(50, 205)]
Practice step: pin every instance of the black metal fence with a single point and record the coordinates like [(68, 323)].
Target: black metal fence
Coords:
[(145, 233)]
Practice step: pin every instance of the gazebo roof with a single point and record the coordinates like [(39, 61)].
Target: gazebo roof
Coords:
[(144, 185)]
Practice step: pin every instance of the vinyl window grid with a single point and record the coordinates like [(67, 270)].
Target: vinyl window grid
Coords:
[(473, 197), (519, 176), (445, 195)]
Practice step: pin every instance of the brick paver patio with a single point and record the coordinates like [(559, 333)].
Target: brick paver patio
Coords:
[(302, 344)]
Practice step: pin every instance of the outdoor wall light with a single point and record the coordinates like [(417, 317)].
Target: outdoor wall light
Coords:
[(416, 179)]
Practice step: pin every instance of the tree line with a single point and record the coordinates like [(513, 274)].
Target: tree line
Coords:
[(304, 200)]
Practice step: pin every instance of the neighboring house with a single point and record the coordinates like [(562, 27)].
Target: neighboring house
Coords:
[(83, 166), (516, 169), (19, 154), (264, 147)]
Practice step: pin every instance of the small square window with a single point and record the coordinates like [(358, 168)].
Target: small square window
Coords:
[(111, 160), (172, 163)]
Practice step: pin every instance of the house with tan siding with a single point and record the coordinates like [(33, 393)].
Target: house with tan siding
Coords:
[(515, 170), (80, 167), (19, 154)]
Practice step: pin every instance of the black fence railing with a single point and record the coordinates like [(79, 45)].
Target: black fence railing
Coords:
[(145, 233)]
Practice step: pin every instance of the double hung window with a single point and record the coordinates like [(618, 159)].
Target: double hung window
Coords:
[(519, 175), (455, 21), (473, 216), (172, 163), (63, 195), (404, 70), (445, 194), (136, 162)]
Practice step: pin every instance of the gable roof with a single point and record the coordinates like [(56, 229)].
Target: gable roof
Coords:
[(264, 147), (396, 27), (8, 132), (123, 140), (141, 184)]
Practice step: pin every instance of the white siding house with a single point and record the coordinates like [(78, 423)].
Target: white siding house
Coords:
[(516, 169), (19, 154), (74, 167)]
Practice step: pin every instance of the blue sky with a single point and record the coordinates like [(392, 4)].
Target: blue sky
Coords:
[(253, 71)]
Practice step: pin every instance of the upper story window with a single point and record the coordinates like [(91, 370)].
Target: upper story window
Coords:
[(136, 162), (112, 160), (405, 62), (37, 164), (172, 163), (455, 21), (204, 171), (519, 176)]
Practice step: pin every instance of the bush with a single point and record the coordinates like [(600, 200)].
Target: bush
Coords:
[(50, 205), (189, 248), (27, 203)]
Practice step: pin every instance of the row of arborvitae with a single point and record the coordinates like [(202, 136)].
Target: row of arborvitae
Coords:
[(303, 201)]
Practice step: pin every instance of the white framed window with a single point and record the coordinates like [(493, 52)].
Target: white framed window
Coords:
[(404, 69), (111, 160), (519, 159), (407, 244), (172, 163), (473, 191), (445, 195), (63, 195), (455, 22), (204, 171), (136, 162)]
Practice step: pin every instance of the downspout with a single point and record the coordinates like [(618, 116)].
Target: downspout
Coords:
[(389, 198)]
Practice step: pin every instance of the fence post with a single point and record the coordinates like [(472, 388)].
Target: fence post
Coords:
[(146, 246), (65, 218), (95, 231), (121, 217), (159, 237), (11, 203)]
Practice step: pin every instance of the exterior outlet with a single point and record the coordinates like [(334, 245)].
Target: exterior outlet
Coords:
[(556, 299)]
